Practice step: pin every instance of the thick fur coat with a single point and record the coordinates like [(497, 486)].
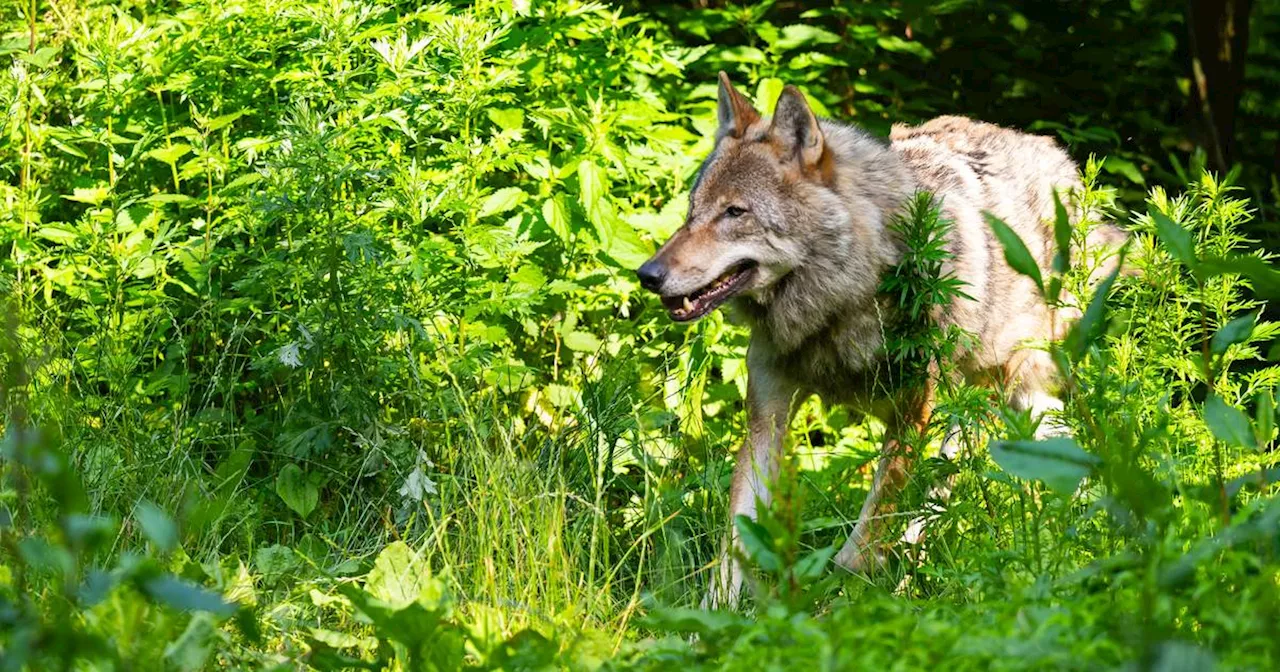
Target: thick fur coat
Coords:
[(789, 220)]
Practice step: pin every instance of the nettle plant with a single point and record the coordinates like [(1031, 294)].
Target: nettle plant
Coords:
[(1164, 473)]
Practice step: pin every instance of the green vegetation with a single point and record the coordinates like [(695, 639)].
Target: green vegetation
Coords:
[(321, 346)]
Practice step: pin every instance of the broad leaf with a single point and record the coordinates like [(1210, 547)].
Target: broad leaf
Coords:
[(297, 492), (186, 596), (1177, 240), (811, 565), (501, 201), (1090, 326), (158, 527), (1228, 423), (757, 543), (1236, 331), (1015, 251), (401, 577), (1058, 462)]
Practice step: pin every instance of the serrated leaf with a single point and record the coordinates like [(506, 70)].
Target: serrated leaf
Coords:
[(556, 214), (757, 543), (509, 119), (1015, 251), (1058, 462), (57, 233), (501, 201), (1236, 331), (400, 577), (1228, 423), (297, 492), (171, 154)]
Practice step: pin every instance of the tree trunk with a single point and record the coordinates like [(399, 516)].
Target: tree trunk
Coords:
[(1219, 40)]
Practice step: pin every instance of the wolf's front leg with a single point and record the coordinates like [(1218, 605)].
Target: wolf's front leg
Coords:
[(769, 413)]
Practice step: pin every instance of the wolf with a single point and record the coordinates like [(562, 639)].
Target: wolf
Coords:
[(788, 221)]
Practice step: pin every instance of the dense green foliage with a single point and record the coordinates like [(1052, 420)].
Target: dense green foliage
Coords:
[(322, 346)]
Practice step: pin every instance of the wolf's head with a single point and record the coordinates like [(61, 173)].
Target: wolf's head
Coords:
[(756, 210)]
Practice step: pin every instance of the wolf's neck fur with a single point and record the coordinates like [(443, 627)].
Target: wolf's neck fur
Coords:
[(849, 251)]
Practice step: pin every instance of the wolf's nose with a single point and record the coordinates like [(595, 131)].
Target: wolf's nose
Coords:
[(651, 275)]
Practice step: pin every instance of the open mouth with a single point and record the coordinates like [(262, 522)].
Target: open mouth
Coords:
[(702, 301)]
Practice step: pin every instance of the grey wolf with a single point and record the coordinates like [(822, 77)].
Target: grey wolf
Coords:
[(787, 222)]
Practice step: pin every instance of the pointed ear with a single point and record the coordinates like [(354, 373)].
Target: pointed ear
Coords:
[(735, 111), (795, 129)]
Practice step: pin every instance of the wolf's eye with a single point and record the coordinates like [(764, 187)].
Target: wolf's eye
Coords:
[(734, 211)]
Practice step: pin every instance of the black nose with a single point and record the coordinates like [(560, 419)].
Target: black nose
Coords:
[(651, 275)]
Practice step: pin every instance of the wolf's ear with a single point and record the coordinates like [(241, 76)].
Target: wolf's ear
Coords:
[(795, 129), (735, 111)]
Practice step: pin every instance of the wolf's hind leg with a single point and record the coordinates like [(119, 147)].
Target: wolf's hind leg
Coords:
[(939, 494), (859, 553)]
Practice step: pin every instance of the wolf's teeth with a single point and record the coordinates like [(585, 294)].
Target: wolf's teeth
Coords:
[(688, 305)]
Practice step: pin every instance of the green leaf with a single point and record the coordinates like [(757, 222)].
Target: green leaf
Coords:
[(58, 233), (191, 649), (1264, 277), (898, 45), (1058, 462), (767, 92), (274, 562), (186, 596), (297, 492), (1124, 168), (1236, 331), (92, 195), (158, 527), (1177, 240), (1264, 422), (501, 201), (1228, 423), (508, 119), (757, 543), (811, 565), (800, 35), (555, 212), (581, 341), (171, 154), (401, 577), (1061, 235), (1015, 251), (705, 624), (1090, 326)]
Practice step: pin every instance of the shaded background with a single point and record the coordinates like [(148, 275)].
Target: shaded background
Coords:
[(1159, 87)]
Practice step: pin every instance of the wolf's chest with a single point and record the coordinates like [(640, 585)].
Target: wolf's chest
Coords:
[(844, 362)]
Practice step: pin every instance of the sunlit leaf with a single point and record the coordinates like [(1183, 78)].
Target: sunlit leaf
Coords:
[(1228, 423), (1015, 251)]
